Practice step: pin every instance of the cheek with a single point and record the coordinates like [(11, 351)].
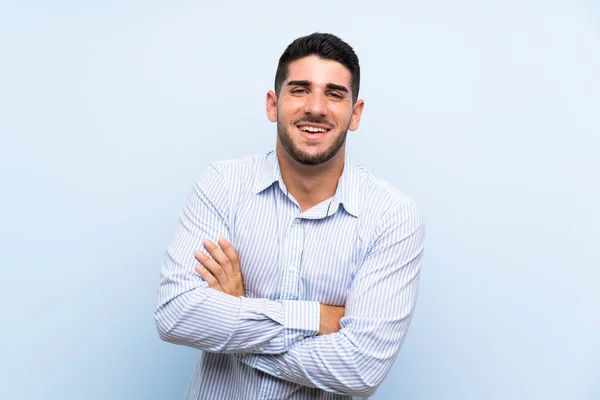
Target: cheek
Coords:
[(289, 111), (342, 115)]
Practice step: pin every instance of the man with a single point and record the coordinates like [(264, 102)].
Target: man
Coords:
[(296, 272)]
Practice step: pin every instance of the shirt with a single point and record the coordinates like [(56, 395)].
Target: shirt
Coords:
[(361, 249)]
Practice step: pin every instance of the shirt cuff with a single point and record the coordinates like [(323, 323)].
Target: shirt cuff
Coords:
[(301, 320), (298, 318)]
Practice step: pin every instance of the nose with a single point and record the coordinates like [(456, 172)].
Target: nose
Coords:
[(316, 104)]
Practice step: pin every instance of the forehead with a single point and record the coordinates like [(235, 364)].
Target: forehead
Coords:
[(319, 71)]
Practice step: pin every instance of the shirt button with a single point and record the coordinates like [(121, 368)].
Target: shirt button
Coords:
[(292, 268), (260, 349), (278, 373), (300, 338)]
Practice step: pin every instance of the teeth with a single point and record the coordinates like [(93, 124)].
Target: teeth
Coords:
[(311, 129)]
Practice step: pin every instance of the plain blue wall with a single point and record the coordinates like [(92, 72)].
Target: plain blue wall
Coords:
[(487, 114)]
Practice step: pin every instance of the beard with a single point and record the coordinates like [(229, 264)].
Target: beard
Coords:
[(309, 159)]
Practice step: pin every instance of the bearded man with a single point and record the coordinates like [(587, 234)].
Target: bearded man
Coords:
[(295, 271)]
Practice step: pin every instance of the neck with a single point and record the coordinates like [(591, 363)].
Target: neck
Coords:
[(310, 184)]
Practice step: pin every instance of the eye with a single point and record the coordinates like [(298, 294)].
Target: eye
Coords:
[(299, 91), (335, 95)]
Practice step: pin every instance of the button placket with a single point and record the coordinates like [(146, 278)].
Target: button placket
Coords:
[(292, 260)]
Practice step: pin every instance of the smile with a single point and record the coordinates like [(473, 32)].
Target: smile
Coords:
[(312, 129)]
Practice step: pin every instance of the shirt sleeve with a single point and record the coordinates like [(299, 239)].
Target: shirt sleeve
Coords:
[(379, 307), (190, 313)]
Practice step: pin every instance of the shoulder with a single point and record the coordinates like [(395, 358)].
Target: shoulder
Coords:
[(239, 177), (378, 194), (384, 207), (222, 182)]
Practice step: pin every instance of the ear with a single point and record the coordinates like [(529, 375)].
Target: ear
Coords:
[(357, 110), (272, 106)]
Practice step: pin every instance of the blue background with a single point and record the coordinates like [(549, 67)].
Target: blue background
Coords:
[(486, 113)]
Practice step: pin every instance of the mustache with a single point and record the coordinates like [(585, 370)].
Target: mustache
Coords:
[(313, 121)]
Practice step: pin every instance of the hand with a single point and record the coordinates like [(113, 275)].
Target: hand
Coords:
[(329, 319), (222, 271)]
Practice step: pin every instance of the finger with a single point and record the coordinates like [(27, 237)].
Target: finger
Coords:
[(208, 277), (231, 254), (215, 269), (217, 254)]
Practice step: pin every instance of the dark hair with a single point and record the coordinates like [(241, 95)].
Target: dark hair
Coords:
[(323, 45)]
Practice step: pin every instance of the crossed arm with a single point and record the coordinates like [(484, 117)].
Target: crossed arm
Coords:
[(223, 273), (354, 360), (189, 312)]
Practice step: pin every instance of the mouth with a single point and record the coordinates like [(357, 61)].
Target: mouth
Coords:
[(313, 131)]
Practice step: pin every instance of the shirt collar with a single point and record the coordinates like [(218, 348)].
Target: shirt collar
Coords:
[(347, 190), (268, 173)]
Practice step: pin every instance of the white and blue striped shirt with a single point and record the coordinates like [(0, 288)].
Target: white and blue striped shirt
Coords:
[(360, 249)]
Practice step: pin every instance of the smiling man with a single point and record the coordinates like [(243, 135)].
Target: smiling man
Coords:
[(296, 272)]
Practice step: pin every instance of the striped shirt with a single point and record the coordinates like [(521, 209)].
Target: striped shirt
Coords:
[(360, 249)]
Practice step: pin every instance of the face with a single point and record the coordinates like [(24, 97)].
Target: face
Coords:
[(314, 110)]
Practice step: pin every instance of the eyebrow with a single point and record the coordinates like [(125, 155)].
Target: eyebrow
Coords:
[(337, 87), (329, 85)]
